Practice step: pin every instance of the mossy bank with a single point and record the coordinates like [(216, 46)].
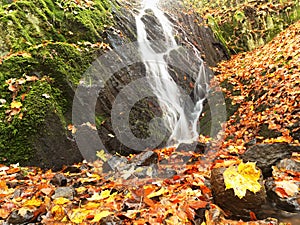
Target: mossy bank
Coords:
[(246, 24), (45, 48)]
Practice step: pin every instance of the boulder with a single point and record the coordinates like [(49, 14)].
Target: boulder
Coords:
[(236, 207), (283, 187), (267, 155)]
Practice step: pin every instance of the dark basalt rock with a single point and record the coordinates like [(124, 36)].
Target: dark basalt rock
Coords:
[(267, 155), (289, 204), (289, 164), (228, 201)]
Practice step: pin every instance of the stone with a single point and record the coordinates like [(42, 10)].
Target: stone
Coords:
[(114, 163), (146, 171), (167, 173), (73, 169), (145, 158), (196, 147), (20, 218), (64, 192), (59, 180), (267, 155), (289, 164), (110, 220), (229, 202), (283, 187)]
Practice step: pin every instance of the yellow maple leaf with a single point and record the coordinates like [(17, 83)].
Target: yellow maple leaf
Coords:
[(78, 215), (58, 212), (102, 195), (61, 201), (101, 215), (33, 202), (242, 178)]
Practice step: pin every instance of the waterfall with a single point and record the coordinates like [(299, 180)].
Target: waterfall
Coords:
[(180, 113)]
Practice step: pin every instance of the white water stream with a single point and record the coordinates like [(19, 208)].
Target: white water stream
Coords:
[(179, 119)]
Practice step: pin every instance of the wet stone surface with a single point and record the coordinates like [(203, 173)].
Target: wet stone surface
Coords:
[(267, 155), (283, 187), (229, 202)]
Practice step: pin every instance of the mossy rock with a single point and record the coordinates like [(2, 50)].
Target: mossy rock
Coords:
[(45, 48)]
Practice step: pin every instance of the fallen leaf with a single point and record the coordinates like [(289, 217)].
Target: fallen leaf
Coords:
[(58, 212), (241, 178), (101, 215), (33, 202), (61, 201), (289, 187)]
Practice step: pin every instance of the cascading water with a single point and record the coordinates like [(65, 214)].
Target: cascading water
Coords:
[(180, 114)]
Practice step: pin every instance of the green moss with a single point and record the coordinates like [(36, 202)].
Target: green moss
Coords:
[(44, 38), (17, 131), (245, 25)]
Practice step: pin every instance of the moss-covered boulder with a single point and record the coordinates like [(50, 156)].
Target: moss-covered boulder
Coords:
[(45, 48)]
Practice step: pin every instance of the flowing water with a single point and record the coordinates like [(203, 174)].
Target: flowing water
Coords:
[(180, 113)]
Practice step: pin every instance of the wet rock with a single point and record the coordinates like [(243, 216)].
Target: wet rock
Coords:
[(215, 216), (228, 201), (167, 173), (283, 187), (18, 192), (114, 163), (145, 158), (65, 192), (72, 169), (270, 210), (110, 220), (146, 171), (59, 180), (295, 131), (17, 217), (286, 203), (267, 155), (196, 147), (289, 164)]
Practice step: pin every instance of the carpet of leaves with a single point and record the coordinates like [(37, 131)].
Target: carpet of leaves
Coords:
[(266, 85)]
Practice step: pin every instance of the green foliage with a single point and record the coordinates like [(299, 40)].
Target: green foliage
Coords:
[(26, 23), (244, 25)]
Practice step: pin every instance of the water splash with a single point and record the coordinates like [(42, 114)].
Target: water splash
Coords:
[(180, 114)]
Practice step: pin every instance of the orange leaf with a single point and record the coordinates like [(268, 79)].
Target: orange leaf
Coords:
[(198, 204), (4, 213), (253, 216)]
